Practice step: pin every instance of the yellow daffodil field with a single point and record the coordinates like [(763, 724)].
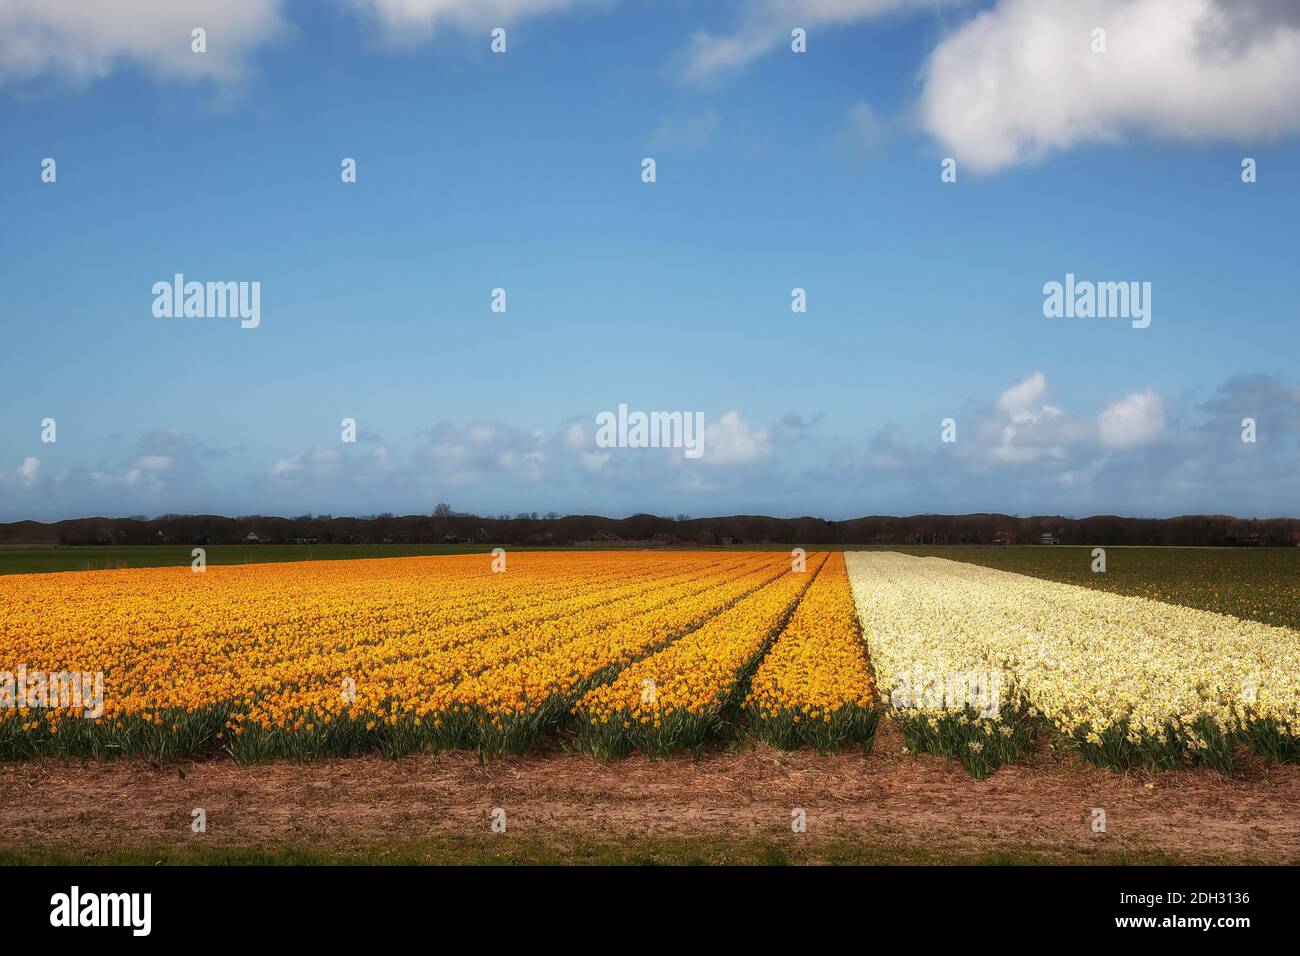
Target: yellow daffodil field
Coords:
[(612, 651), (814, 686), (676, 697)]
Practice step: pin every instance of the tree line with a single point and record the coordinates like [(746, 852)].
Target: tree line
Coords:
[(446, 526)]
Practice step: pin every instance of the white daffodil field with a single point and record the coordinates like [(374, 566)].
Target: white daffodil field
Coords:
[(970, 659)]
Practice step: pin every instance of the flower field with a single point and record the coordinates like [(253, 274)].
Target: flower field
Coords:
[(972, 654), (309, 659), (657, 651), (814, 686), (1259, 584), (675, 698)]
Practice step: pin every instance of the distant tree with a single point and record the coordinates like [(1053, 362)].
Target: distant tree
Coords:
[(442, 510)]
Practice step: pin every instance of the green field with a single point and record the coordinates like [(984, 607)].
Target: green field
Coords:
[(38, 560)]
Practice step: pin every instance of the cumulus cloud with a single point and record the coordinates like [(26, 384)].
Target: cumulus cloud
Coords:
[(1020, 81), (490, 451), (1023, 401), (497, 466), (1265, 398), (1140, 453), (1021, 449), (81, 41), (24, 475), (1023, 427), (1134, 420), (732, 441), (160, 460), (766, 24), (1020, 436), (367, 461)]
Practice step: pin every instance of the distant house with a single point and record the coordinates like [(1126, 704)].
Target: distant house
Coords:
[(728, 542), (454, 539), (1004, 537), (1048, 538), (1295, 538), (252, 538)]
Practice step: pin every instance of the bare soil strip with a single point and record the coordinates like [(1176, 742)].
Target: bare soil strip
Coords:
[(881, 799)]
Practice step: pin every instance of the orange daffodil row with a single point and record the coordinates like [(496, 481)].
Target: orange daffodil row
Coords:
[(512, 700), (333, 657), (674, 698), (814, 685), (413, 677)]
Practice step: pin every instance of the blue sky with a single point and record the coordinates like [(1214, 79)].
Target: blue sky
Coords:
[(775, 170)]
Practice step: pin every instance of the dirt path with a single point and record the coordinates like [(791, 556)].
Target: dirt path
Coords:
[(885, 797)]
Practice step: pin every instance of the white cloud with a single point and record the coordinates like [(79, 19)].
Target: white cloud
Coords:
[(1028, 428), (1023, 401), (30, 470), (575, 436), (162, 461), (1020, 81), (84, 40), (487, 451), (25, 475), (731, 441), (766, 24), (362, 462), (411, 21), (1134, 420)]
